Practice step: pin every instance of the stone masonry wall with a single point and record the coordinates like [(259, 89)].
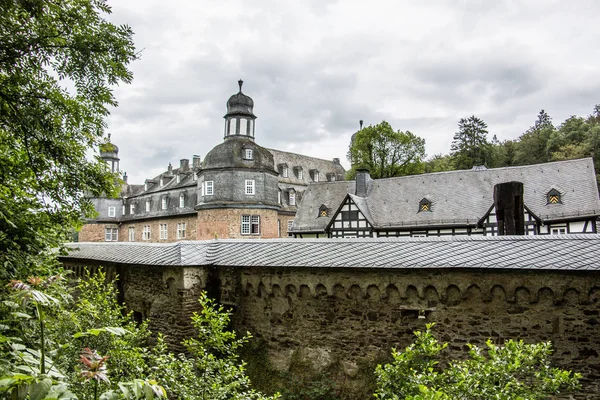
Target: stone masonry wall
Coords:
[(92, 233), (226, 223), (350, 318)]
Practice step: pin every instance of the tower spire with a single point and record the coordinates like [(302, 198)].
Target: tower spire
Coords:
[(240, 83)]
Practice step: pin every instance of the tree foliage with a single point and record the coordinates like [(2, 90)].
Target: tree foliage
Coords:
[(385, 152), (515, 370), (58, 61), (470, 146)]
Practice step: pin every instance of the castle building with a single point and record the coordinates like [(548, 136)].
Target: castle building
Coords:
[(239, 190), (557, 198)]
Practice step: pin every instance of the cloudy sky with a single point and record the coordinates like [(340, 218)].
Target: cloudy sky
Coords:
[(316, 67)]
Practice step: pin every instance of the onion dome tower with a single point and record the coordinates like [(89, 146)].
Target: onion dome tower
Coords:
[(110, 154), (239, 120)]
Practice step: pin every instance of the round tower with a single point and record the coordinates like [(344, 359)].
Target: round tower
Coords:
[(239, 120), (110, 154)]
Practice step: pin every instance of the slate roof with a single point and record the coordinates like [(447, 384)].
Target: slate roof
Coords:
[(330, 194), (307, 163), (568, 252), (462, 197)]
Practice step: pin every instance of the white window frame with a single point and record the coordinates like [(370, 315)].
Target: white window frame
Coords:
[(147, 205), (279, 197), (209, 188), (112, 211), (181, 227), (132, 208), (284, 172), (145, 186), (292, 198), (249, 186), (559, 230), (146, 232), (181, 200), (124, 208), (195, 177), (316, 176), (300, 173), (248, 154), (250, 225), (178, 178), (111, 234), (163, 203), (162, 182), (163, 231), (131, 232)]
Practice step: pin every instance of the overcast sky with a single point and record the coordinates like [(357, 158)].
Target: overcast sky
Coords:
[(316, 67)]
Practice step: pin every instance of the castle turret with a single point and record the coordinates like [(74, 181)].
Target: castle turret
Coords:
[(239, 120), (110, 154)]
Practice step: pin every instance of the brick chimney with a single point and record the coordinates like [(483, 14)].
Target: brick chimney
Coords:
[(362, 182), (184, 164), (508, 200)]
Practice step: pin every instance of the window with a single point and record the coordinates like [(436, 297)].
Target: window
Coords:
[(424, 205), (292, 198), (290, 224), (132, 234), (248, 154), (162, 182), (250, 224), (209, 188), (314, 174), (558, 231), (553, 197), (181, 200), (284, 172), (249, 186), (111, 234), (145, 186), (162, 231), (299, 172), (178, 178), (147, 205), (323, 211), (132, 208), (124, 208), (112, 210), (146, 232), (181, 230), (279, 197), (163, 203), (195, 177)]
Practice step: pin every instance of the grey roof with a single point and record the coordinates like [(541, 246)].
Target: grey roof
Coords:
[(330, 194), (568, 252), (307, 163), (463, 197)]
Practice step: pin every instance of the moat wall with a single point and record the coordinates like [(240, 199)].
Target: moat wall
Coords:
[(343, 321)]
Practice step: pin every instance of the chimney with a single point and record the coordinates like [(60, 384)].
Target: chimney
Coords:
[(196, 161), (508, 200), (336, 161), (125, 177), (170, 168), (362, 182), (184, 164)]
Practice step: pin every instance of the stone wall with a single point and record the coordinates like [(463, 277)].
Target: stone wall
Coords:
[(226, 223), (343, 321), (92, 233)]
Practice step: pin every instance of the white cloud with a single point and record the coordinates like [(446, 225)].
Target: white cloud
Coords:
[(314, 68)]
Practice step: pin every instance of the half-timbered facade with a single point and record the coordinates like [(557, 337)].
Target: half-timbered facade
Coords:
[(559, 198)]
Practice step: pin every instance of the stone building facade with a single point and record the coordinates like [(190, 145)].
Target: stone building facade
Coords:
[(239, 190), (336, 307)]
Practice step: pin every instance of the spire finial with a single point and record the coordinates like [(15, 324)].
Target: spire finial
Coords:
[(109, 137), (361, 123), (240, 82)]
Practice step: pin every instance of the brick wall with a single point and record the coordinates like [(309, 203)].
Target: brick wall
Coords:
[(226, 223), (190, 233), (92, 233)]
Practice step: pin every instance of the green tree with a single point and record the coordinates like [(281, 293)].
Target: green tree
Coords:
[(439, 163), (470, 146), (385, 152), (58, 62), (537, 143), (516, 370)]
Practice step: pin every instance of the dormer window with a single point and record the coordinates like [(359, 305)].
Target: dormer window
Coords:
[(248, 154), (554, 197), (298, 171), (147, 205), (181, 200), (195, 177), (331, 177), (164, 203), (145, 186), (283, 170), (292, 197), (162, 182), (314, 174), (132, 208), (178, 178), (424, 206), (323, 211)]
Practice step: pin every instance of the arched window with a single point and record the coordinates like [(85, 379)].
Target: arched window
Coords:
[(424, 205), (553, 197)]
